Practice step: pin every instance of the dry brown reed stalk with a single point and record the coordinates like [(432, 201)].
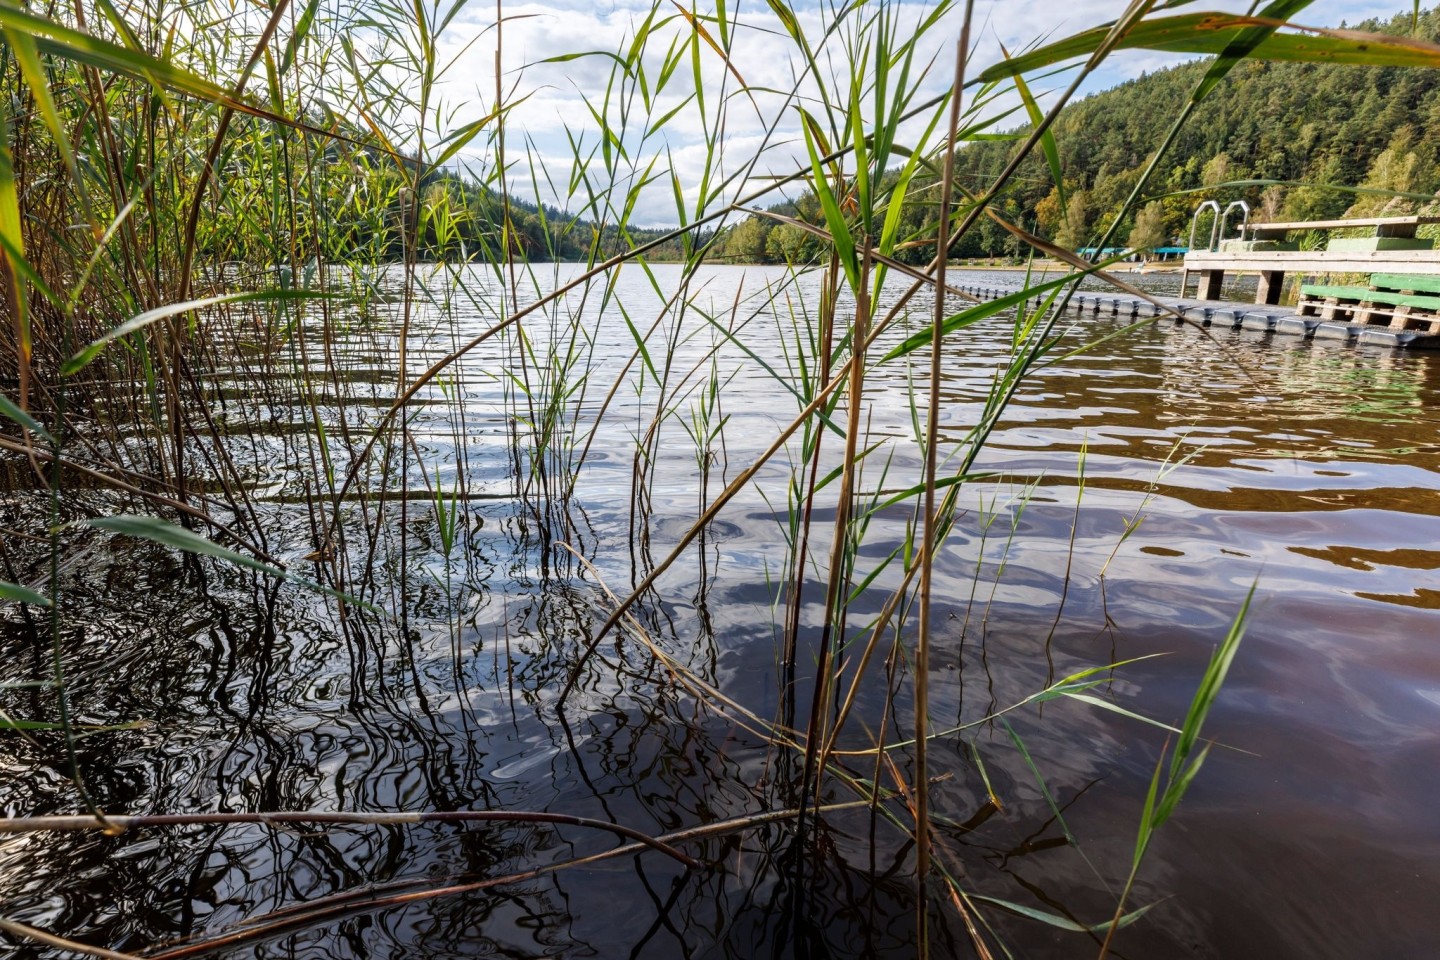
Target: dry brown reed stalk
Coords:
[(776, 734), (384, 895), (157, 499), (24, 931), (838, 566), (931, 520), (826, 343), (118, 823), (910, 794)]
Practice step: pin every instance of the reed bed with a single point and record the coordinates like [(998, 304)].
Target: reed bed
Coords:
[(250, 260)]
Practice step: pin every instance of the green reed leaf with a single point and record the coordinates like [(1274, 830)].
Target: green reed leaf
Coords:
[(140, 321), (971, 315), (1210, 684), (302, 30), (168, 534), (19, 594), (61, 41), (1116, 708), (1176, 788), (1064, 923), (834, 218), (1214, 33), (171, 535), (27, 56), (13, 254), (460, 139), (10, 723), (1047, 140), (1040, 781), (120, 25), (9, 410)]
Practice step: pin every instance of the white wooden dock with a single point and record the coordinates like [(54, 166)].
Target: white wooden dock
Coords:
[(1395, 251), (1262, 318)]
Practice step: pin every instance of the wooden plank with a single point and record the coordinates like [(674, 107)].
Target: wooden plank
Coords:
[(1401, 282), (1412, 221), (1398, 318), (1370, 313), (1322, 291), (1407, 300), (1419, 262), (1367, 297), (1369, 244)]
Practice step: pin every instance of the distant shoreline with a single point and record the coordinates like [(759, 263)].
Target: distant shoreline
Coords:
[(1055, 266)]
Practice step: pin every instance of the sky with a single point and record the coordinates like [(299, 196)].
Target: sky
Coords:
[(555, 111)]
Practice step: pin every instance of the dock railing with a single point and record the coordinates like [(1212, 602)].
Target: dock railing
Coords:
[(1214, 224)]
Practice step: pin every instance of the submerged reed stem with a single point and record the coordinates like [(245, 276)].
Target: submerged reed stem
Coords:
[(931, 519)]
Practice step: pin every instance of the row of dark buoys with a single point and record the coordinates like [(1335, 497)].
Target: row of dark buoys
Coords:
[(1237, 317)]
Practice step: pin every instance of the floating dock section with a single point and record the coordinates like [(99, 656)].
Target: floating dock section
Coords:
[(1262, 318)]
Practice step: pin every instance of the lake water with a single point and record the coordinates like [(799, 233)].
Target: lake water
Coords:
[(1308, 470)]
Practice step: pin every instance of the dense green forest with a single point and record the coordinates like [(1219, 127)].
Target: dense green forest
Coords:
[(1307, 128), (465, 220), (540, 233)]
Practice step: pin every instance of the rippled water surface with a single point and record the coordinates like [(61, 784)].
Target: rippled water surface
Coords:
[(1308, 470)]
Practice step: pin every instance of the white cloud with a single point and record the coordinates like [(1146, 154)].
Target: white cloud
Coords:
[(761, 52)]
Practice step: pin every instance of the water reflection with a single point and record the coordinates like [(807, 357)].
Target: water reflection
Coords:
[(1229, 457)]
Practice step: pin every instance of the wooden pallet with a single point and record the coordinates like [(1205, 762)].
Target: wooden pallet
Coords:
[(1393, 301), (1371, 313), (1411, 318)]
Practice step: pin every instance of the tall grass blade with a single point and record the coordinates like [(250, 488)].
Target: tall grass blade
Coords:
[(1214, 33), (1064, 923), (19, 594), (13, 254), (9, 410), (87, 355), (170, 535)]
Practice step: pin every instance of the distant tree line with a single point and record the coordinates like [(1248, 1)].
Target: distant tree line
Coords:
[(1317, 125), (1311, 128)]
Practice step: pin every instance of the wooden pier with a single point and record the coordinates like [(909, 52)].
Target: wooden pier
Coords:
[(1261, 318), (1263, 248)]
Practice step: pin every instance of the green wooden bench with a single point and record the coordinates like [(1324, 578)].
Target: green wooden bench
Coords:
[(1392, 300)]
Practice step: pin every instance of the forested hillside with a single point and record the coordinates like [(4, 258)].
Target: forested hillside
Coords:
[(540, 233), (1308, 127)]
